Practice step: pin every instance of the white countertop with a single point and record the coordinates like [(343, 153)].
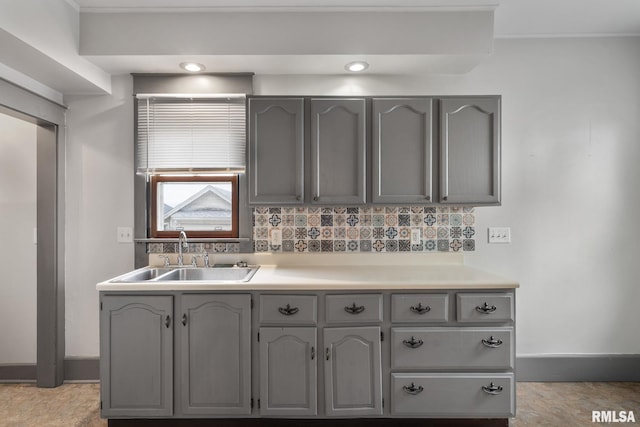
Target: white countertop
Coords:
[(339, 277)]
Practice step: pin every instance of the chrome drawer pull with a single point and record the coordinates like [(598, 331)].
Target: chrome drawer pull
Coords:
[(412, 389), (492, 389), (420, 309), (354, 309), (413, 343), (492, 342), (486, 308), (288, 310)]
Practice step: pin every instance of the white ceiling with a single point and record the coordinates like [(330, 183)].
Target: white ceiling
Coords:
[(513, 18)]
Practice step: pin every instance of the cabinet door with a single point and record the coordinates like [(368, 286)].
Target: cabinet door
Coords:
[(470, 150), (353, 371), (276, 150), (338, 154), (402, 150), (288, 372), (216, 354), (136, 356)]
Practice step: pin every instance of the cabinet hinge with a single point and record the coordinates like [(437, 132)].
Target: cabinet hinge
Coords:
[(252, 403), (383, 403), (101, 404), (258, 403), (252, 303), (381, 336), (100, 305), (258, 341)]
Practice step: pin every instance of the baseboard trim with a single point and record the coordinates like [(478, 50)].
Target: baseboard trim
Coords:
[(578, 368), (75, 369)]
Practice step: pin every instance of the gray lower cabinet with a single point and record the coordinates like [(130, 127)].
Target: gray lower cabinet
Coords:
[(136, 356), (276, 151), (470, 150), (353, 371), (288, 371), (402, 150), (338, 150), (215, 354)]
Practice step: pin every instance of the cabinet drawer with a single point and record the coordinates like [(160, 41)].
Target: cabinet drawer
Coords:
[(490, 307), (419, 308), (356, 308), (289, 309), (452, 348), (453, 395)]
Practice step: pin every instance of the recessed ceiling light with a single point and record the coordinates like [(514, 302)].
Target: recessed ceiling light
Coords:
[(356, 66), (192, 67)]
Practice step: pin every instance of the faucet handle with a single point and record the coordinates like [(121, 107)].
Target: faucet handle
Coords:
[(166, 260), (206, 259), (194, 260)]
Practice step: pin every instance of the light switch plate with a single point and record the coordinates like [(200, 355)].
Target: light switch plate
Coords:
[(416, 236), (124, 235), (276, 237), (499, 234)]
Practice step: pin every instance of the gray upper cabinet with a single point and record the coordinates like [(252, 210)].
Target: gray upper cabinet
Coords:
[(402, 150), (470, 150), (276, 151), (353, 371), (338, 151), (136, 362), (288, 372), (215, 353)]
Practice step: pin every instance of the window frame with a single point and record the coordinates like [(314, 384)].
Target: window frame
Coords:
[(153, 211)]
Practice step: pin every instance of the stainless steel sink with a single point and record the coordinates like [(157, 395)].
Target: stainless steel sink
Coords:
[(215, 274), (224, 274), (143, 275)]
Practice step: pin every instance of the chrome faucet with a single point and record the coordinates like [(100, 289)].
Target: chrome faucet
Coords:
[(182, 243)]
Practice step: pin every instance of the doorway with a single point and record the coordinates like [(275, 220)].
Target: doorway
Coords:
[(47, 121)]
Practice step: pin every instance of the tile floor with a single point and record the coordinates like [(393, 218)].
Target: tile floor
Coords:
[(539, 404)]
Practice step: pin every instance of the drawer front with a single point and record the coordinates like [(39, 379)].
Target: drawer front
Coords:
[(453, 395), (480, 308), (356, 308), (289, 309), (452, 348), (419, 308)]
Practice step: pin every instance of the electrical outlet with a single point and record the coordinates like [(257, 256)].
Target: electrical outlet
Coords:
[(276, 237), (124, 235), (499, 234), (416, 236)]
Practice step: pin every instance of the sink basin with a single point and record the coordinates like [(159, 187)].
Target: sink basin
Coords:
[(143, 275), (217, 274), (225, 274)]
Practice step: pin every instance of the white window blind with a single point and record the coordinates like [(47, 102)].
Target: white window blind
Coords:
[(191, 134)]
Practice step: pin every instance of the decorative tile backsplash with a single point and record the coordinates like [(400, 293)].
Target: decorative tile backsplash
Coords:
[(363, 229), (360, 229)]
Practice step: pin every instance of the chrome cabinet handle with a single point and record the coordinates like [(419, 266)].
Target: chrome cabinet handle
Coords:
[(288, 310), (412, 389), (167, 321), (327, 353), (492, 342), (313, 352), (354, 309), (420, 309), (413, 343), (492, 389), (316, 198), (486, 308), (184, 320)]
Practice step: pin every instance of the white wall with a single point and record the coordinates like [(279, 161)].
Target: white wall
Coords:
[(571, 141), (17, 249), (99, 198)]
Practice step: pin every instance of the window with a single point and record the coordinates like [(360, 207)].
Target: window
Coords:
[(202, 206), (192, 149)]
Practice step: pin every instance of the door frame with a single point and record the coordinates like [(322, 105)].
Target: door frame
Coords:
[(51, 132)]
